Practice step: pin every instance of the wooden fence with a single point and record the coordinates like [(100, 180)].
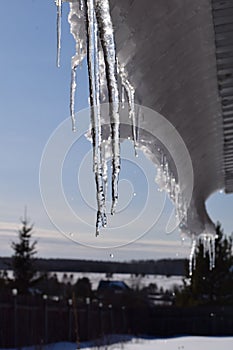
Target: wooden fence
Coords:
[(34, 320)]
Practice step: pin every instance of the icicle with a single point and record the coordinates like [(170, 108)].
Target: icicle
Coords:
[(158, 178), (92, 83), (78, 30), (99, 172), (105, 170), (192, 257), (167, 182), (177, 201), (102, 77), (81, 5), (123, 96), (91, 21), (59, 16), (72, 97), (93, 68), (210, 252), (139, 114), (108, 46), (212, 260), (208, 242), (132, 116), (127, 86)]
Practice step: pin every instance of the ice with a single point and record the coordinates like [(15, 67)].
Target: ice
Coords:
[(76, 19), (130, 91), (105, 170), (208, 242), (103, 87), (78, 30), (192, 257), (93, 69), (59, 16), (167, 182), (81, 5), (72, 97), (212, 260), (91, 26), (123, 96), (106, 35)]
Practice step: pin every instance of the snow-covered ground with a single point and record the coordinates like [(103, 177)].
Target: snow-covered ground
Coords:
[(181, 343), (142, 281), (131, 280)]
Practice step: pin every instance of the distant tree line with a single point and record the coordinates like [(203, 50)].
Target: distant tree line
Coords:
[(203, 287)]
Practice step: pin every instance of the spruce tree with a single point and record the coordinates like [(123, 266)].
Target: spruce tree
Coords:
[(23, 261), (211, 286)]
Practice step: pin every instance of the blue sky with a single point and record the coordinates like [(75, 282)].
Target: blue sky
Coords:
[(34, 97)]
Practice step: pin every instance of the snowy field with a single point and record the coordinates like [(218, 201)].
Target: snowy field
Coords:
[(181, 343), (165, 282)]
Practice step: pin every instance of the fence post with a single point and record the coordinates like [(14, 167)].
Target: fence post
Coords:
[(88, 316), (101, 319), (75, 310), (70, 302), (45, 298), (15, 293), (111, 319), (123, 320)]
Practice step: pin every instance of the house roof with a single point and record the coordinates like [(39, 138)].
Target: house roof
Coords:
[(179, 57)]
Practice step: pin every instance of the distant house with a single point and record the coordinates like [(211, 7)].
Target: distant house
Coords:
[(112, 286)]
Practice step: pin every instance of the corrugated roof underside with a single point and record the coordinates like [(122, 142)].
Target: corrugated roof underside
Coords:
[(223, 24)]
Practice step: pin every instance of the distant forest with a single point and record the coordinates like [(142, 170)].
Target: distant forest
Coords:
[(168, 267)]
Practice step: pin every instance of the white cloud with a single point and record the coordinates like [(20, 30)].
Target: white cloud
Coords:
[(52, 243)]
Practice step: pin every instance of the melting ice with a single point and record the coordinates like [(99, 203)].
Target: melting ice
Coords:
[(208, 242), (59, 14), (91, 26)]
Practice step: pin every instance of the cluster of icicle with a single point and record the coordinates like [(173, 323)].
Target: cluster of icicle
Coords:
[(208, 242), (167, 182), (91, 25)]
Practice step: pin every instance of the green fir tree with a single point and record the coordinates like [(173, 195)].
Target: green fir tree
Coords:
[(23, 261), (210, 286)]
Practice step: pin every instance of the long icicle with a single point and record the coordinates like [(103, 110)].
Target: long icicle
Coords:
[(105, 171), (92, 59), (108, 46), (59, 16), (100, 154), (78, 30), (212, 264), (72, 97), (192, 257)]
